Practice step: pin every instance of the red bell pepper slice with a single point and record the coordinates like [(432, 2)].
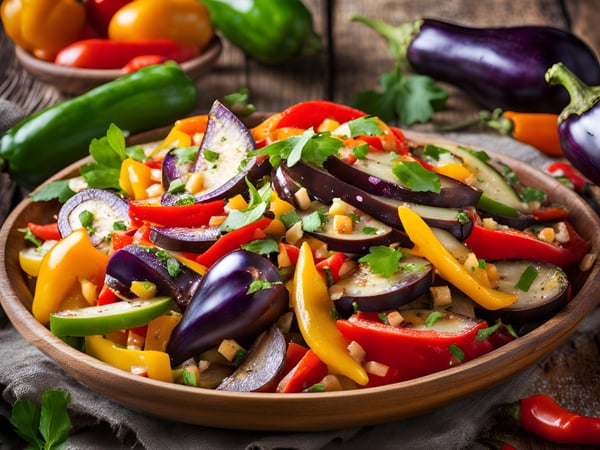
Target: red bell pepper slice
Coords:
[(409, 352), (232, 241), (106, 296), (293, 355), (121, 239), (403, 148), (309, 371), (312, 113), (516, 244), (46, 232), (568, 171), (195, 215), (330, 268)]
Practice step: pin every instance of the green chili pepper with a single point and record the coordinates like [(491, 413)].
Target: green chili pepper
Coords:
[(47, 141), (270, 31)]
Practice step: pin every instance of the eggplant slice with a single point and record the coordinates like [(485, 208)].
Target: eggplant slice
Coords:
[(548, 293), (103, 208), (370, 292)]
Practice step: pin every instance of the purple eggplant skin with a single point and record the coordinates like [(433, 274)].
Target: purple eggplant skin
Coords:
[(498, 67), (106, 208), (579, 122), (263, 363), (324, 187), (222, 308), (184, 239), (354, 243), (228, 140), (140, 263), (453, 193)]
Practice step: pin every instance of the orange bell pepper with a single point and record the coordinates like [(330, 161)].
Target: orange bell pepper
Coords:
[(43, 26)]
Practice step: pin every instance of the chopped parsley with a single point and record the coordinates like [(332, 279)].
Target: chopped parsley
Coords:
[(262, 246), (259, 285), (433, 318), (309, 147), (314, 221), (210, 156), (527, 278), (456, 352), (382, 260), (364, 126)]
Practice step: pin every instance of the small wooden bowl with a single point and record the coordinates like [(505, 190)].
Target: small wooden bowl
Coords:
[(75, 81), (306, 411)]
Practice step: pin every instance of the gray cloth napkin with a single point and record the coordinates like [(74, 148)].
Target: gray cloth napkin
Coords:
[(25, 373)]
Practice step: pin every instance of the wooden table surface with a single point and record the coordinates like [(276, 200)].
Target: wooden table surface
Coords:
[(353, 58)]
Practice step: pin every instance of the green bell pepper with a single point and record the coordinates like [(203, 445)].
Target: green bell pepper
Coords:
[(270, 31), (47, 141)]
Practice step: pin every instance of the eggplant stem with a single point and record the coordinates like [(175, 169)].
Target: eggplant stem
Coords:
[(398, 37), (583, 97)]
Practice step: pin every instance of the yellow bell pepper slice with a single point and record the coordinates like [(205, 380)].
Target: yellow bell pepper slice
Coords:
[(66, 265), (430, 247), (312, 306), (135, 177), (157, 364)]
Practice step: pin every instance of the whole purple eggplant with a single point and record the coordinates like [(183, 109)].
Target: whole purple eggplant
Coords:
[(225, 306), (579, 122), (498, 67)]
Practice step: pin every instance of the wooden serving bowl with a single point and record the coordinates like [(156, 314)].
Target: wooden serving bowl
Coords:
[(75, 81), (306, 411)]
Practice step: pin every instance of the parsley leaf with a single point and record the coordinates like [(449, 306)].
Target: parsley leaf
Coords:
[(410, 99), (382, 260), (46, 426), (417, 177), (238, 102), (260, 200), (262, 246), (365, 126), (259, 285), (309, 147), (56, 189), (314, 221)]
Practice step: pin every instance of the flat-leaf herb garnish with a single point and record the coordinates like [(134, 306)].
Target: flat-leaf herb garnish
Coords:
[(309, 147), (382, 260), (417, 177), (260, 200)]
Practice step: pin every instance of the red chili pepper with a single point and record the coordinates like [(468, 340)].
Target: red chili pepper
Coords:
[(138, 62), (232, 241), (194, 215), (312, 113), (566, 170), (46, 232), (99, 12), (113, 54), (309, 371), (330, 268), (542, 416), (512, 243), (411, 353)]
